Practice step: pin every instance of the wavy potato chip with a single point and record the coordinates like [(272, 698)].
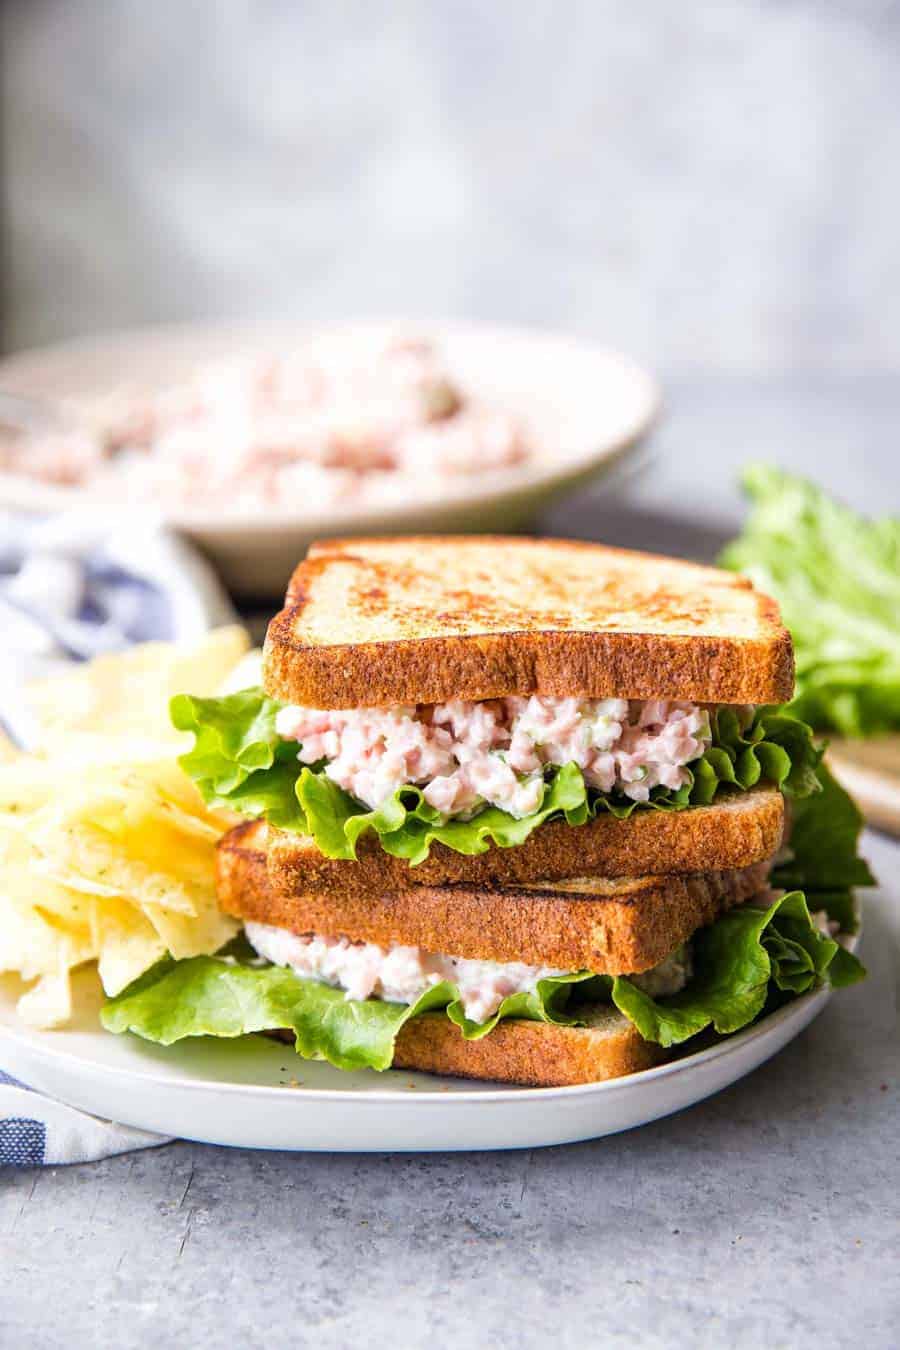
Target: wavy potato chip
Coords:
[(37, 922), (28, 946), (206, 931), (128, 945), (128, 692), (107, 850), (48, 1003)]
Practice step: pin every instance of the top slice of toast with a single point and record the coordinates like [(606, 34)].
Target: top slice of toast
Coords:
[(374, 622)]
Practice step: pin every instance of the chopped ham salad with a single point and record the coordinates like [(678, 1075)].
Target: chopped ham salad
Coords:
[(464, 756), (345, 418), (403, 974)]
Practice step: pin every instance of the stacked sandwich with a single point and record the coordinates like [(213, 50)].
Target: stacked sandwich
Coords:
[(513, 809)]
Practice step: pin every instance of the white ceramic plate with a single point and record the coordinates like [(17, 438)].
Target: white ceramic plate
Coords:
[(584, 406), (256, 1093)]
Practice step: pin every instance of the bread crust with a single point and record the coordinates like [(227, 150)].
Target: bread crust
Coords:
[(628, 625), (612, 928), (737, 832), (530, 1054), (534, 1054)]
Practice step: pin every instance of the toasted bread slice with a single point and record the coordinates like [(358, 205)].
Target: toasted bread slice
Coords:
[(535, 1054), (530, 1054), (613, 927), (736, 832), (374, 622)]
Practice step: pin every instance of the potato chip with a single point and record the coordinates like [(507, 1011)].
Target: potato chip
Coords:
[(36, 912), (205, 668), (127, 693), (90, 851), (73, 881), (107, 850), (247, 672), (128, 945), (205, 932), (27, 944), (49, 1003), (30, 941)]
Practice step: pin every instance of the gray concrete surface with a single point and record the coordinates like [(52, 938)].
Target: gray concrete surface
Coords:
[(766, 1216)]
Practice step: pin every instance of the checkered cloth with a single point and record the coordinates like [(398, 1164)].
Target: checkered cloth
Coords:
[(72, 587)]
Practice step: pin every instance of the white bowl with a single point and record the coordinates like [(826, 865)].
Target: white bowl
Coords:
[(583, 405)]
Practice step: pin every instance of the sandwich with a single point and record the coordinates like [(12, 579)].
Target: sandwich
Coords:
[(609, 977), (498, 710), (514, 810)]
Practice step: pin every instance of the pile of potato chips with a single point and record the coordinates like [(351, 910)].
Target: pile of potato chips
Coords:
[(107, 851)]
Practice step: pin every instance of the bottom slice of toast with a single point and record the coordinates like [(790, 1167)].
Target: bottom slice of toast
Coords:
[(528, 1054), (536, 1054)]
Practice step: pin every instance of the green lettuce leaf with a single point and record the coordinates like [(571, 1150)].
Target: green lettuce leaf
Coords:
[(836, 576), (736, 960), (822, 857), (239, 761), (209, 996)]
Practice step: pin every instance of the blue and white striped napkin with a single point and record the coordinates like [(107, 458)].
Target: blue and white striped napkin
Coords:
[(36, 1131), (73, 587)]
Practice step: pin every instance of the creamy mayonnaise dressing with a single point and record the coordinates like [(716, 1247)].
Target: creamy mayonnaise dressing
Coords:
[(402, 974), (669, 976), (464, 755)]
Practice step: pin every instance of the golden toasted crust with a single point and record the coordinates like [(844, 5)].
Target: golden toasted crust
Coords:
[(241, 875), (373, 622), (736, 832), (612, 927), (532, 1054), (537, 1054)]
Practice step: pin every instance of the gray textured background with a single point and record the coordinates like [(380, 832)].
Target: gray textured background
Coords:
[(708, 185)]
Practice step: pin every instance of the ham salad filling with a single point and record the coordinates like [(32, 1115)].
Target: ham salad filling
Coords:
[(467, 755), (343, 418), (403, 974)]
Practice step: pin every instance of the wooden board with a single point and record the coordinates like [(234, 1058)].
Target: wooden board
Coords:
[(870, 770)]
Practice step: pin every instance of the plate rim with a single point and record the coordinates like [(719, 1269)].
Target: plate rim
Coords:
[(810, 1003)]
